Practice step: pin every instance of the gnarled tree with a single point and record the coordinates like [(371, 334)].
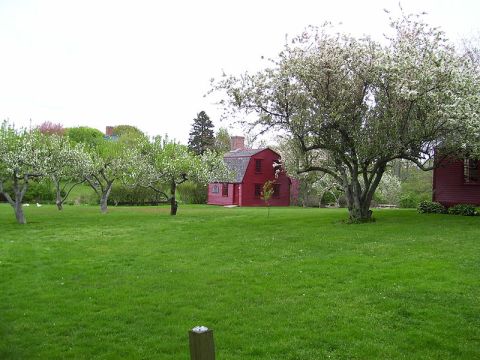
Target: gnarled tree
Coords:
[(21, 160), (360, 104), (167, 164), (65, 164), (109, 161)]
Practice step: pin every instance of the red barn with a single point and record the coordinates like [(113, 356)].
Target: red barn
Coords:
[(457, 181), (252, 168)]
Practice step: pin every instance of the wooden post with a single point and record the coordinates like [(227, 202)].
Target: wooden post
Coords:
[(201, 344)]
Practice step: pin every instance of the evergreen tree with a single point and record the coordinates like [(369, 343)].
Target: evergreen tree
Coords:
[(201, 135)]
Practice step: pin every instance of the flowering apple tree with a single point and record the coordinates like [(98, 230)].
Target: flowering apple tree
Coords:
[(108, 162), (167, 164), (21, 160), (362, 103), (66, 164)]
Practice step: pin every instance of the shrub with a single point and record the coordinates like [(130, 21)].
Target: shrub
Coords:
[(463, 209), (40, 192), (410, 200), (191, 192), (82, 195), (84, 199), (123, 195), (328, 198), (428, 207)]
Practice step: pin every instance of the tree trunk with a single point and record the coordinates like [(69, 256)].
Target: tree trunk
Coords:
[(17, 203), (104, 198), (173, 200), (359, 199), (20, 216), (358, 208), (359, 212), (59, 200), (103, 204), (19, 191)]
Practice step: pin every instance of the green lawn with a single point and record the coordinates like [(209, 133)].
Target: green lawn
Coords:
[(300, 284)]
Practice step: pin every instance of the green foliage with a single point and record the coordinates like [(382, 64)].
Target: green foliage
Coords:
[(416, 185), (267, 191), (426, 207), (39, 192), (431, 207), (138, 195), (191, 192), (86, 196), (201, 136), (222, 141), (91, 137), (166, 164), (409, 201), (122, 130), (463, 209), (130, 135), (111, 162), (329, 198)]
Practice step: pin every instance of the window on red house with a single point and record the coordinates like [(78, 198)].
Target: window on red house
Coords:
[(258, 165), (225, 189), (471, 174), (215, 189), (258, 191)]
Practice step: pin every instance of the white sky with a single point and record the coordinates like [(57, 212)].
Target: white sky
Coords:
[(149, 63)]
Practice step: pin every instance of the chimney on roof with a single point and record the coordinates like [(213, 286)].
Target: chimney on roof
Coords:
[(237, 142), (109, 131)]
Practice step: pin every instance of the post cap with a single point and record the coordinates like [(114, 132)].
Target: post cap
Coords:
[(200, 329)]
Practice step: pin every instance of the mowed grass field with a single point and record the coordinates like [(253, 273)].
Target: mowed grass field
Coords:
[(299, 284)]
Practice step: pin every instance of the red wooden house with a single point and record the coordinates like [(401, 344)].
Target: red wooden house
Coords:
[(252, 168), (457, 181)]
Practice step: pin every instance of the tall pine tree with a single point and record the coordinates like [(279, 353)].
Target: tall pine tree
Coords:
[(201, 135)]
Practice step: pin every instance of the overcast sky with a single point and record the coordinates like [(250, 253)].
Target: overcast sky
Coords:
[(149, 63)]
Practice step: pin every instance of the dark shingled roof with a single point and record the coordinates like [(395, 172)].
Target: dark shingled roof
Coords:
[(238, 166), (242, 152), (237, 161)]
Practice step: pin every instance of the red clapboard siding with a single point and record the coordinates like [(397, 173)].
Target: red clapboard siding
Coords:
[(450, 188), (218, 198)]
